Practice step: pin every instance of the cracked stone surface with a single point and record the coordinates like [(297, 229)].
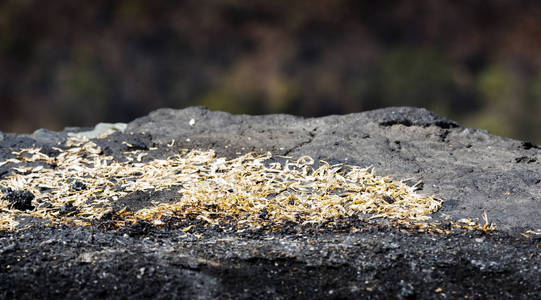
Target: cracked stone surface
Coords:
[(470, 169)]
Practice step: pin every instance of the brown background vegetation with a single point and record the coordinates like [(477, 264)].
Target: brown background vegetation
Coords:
[(76, 63)]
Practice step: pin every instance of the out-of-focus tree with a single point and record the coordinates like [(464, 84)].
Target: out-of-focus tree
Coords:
[(66, 63)]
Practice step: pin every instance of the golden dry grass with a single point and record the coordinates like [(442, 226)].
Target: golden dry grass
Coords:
[(251, 190)]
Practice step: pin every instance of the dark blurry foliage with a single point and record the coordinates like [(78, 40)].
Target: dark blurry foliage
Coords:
[(75, 63)]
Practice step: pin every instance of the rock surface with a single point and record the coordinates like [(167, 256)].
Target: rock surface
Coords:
[(470, 169)]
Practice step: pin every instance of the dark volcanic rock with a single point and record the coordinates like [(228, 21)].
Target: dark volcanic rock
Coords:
[(375, 263), (21, 200), (142, 199), (470, 169)]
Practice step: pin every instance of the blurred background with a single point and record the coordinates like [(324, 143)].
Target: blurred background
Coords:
[(76, 63)]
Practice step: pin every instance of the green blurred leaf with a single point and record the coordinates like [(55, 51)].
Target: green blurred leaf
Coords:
[(418, 77)]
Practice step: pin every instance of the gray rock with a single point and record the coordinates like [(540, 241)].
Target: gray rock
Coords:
[(46, 136), (472, 170), (101, 130)]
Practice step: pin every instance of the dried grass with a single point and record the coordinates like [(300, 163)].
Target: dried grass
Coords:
[(252, 190)]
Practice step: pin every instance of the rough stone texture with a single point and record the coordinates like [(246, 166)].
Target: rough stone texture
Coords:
[(470, 169), (374, 263)]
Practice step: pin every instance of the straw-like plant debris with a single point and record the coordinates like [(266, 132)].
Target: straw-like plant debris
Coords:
[(81, 184)]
